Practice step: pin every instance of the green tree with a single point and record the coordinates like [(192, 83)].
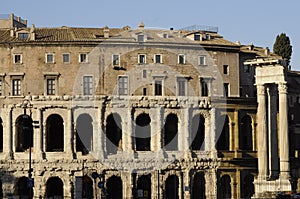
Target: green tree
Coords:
[(282, 47)]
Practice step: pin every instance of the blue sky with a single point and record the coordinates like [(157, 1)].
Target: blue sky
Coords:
[(254, 21)]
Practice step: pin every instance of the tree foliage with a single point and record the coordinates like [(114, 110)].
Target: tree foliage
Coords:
[(282, 47)]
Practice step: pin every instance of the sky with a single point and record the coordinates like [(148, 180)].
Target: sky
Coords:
[(255, 21)]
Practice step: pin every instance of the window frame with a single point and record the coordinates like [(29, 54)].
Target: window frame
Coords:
[(124, 90), (51, 88), (54, 76), (46, 58), (23, 33), (87, 86), (160, 58), (116, 62), (141, 38), (20, 60), (226, 69), (84, 60), (16, 89), (179, 81), (69, 58), (202, 60), (226, 89), (161, 93), (179, 59), (139, 58)]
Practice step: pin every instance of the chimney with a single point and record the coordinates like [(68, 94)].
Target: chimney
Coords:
[(267, 51), (106, 32), (32, 32), (12, 32)]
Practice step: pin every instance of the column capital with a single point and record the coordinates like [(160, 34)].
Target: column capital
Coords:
[(282, 87), (260, 89)]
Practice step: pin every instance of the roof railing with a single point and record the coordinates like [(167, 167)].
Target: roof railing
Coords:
[(201, 28)]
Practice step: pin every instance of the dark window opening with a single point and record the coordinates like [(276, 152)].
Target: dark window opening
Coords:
[(198, 132), (171, 133), (1, 136), (225, 69), (54, 188), (198, 187), (223, 132), (181, 59), (84, 133), (245, 134), (114, 187), (18, 59), (144, 186), (144, 91), (248, 186), (224, 187), (226, 90), (158, 88), (87, 188), (172, 185), (143, 132), (24, 133), (113, 133), (204, 88), (54, 133)]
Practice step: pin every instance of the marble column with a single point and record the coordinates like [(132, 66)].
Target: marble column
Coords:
[(283, 132), (38, 138), (7, 133), (129, 132), (262, 132), (213, 138), (69, 134)]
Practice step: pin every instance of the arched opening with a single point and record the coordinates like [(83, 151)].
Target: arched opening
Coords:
[(245, 135), (248, 186), (113, 133), (55, 188), (198, 187), (171, 133), (21, 188), (224, 187), (144, 187), (198, 132), (223, 141), (172, 185), (114, 188), (87, 188), (24, 133), (84, 133), (54, 133), (143, 132), (1, 135)]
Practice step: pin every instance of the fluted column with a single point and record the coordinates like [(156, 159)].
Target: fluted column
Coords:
[(283, 132), (262, 132)]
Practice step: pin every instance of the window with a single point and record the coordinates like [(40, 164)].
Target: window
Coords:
[(83, 58), (197, 37), (157, 58), (226, 90), (202, 60), (246, 69), (181, 83), (144, 91), (49, 58), (116, 60), (17, 58), (165, 35), (66, 58), (158, 87), (1, 89), (140, 38), (142, 59), (16, 87), (23, 35), (181, 59), (144, 73), (87, 85), (123, 85), (204, 88), (225, 69), (51, 86)]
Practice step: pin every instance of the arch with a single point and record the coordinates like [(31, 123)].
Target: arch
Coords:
[(55, 188), (114, 187), (24, 133), (245, 134), (84, 133), (113, 133), (198, 132), (143, 132), (1, 136), (21, 189), (224, 138), (144, 186), (54, 133), (171, 133), (248, 186), (87, 188), (224, 187), (171, 187), (198, 187)]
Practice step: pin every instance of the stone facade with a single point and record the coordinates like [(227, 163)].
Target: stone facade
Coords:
[(155, 113)]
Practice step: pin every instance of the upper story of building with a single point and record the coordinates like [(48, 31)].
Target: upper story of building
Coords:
[(122, 61)]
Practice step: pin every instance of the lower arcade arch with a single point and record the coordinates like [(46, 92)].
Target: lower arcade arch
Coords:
[(171, 187), (114, 188), (144, 187), (198, 186), (54, 188)]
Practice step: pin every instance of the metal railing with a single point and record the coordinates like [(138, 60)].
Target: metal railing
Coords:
[(201, 28)]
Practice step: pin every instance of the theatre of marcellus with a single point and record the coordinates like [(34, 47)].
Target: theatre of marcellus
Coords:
[(144, 113)]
